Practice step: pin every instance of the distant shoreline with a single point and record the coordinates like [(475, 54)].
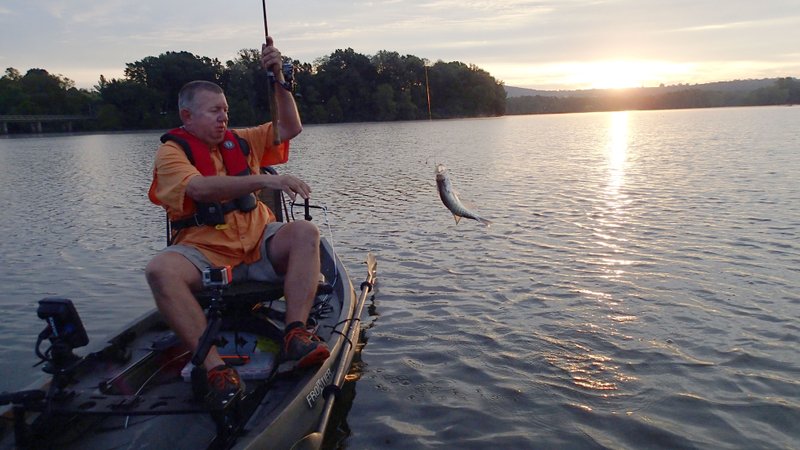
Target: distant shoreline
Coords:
[(155, 131), (733, 85), (767, 92)]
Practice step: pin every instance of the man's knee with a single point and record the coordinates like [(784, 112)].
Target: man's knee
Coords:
[(168, 267), (154, 269), (303, 231)]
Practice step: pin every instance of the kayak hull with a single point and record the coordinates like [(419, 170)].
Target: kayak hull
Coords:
[(132, 391)]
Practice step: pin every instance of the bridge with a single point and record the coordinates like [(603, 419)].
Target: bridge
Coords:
[(36, 121)]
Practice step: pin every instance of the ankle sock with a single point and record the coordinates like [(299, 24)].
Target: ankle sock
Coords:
[(293, 325)]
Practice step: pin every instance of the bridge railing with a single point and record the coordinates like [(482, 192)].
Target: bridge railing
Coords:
[(42, 118), (36, 121)]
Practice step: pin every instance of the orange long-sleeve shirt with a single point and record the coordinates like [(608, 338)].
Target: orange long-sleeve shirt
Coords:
[(238, 242)]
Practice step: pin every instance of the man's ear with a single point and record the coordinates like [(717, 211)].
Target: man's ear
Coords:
[(186, 115)]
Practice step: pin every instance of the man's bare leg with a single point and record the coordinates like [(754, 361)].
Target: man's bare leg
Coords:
[(172, 278), (294, 252)]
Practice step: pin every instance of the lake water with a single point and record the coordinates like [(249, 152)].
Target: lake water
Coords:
[(639, 288)]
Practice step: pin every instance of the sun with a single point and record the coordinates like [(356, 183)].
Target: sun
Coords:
[(620, 74), (597, 74)]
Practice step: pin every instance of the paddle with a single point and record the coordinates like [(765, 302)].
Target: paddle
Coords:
[(313, 440), (272, 105)]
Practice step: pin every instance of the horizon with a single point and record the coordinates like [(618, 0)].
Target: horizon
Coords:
[(740, 80), (612, 86), (563, 45)]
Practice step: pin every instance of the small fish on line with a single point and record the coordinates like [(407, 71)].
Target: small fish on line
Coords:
[(450, 198)]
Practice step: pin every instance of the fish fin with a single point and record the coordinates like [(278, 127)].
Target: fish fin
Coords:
[(468, 204), (457, 217), (486, 222)]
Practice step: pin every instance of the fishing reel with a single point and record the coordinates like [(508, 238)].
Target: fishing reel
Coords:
[(288, 72), (65, 332), (288, 76)]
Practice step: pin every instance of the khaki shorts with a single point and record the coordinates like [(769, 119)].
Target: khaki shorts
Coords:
[(260, 270)]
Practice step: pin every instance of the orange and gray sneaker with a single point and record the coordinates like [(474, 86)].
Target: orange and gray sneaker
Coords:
[(303, 346), (224, 384)]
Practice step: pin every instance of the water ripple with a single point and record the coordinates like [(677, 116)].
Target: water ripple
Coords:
[(638, 288)]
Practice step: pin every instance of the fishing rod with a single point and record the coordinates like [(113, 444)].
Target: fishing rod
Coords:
[(428, 92), (272, 105)]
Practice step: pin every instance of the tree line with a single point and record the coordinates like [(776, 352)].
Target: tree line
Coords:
[(784, 91), (344, 86)]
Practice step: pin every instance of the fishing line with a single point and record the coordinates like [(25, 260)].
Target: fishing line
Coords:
[(150, 378), (430, 116), (325, 220), (331, 240)]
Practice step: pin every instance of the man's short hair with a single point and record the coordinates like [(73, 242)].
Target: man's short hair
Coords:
[(190, 89)]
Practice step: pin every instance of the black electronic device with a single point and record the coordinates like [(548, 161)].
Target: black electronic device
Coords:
[(63, 322)]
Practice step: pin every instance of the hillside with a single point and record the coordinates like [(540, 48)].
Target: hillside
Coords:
[(719, 86), (776, 91)]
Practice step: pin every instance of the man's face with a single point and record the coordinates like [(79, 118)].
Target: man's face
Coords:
[(208, 117)]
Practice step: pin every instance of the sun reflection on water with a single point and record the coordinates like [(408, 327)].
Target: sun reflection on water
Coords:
[(590, 368), (617, 153)]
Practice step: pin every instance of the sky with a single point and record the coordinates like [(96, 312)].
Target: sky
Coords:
[(537, 44)]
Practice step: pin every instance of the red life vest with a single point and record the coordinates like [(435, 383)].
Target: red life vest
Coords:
[(234, 150)]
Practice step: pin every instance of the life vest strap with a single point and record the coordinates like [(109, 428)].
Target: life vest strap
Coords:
[(216, 218), (235, 160)]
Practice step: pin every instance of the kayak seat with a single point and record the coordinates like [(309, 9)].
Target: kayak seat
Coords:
[(250, 293), (273, 198), (245, 294)]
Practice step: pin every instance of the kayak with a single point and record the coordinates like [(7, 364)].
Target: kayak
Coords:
[(136, 390)]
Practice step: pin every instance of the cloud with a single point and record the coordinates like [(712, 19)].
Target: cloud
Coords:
[(112, 12), (495, 35), (766, 23)]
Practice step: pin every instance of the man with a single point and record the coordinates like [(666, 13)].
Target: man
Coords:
[(203, 168)]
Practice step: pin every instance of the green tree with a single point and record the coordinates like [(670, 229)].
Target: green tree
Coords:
[(246, 97), (12, 97), (384, 102), (39, 92), (12, 74), (133, 105), (310, 102), (167, 73), (345, 86), (334, 110), (406, 76), (407, 109), (792, 87), (350, 78), (458, 90), (46, 93)]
